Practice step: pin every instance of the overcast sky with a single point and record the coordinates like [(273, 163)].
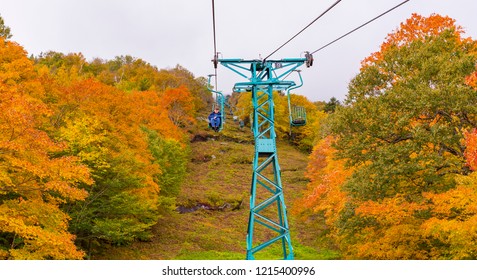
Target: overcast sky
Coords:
[(170, 32)]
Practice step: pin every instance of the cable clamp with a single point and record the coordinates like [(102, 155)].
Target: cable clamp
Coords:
[(309, 59), (216, 60)]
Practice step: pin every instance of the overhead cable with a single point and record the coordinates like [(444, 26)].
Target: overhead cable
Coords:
[(327, 10), (362, 25), (215, 44)]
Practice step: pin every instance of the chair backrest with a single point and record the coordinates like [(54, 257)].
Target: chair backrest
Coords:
[(298, 116)]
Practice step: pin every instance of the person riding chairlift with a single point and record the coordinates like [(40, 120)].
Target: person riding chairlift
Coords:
[(215, 119)]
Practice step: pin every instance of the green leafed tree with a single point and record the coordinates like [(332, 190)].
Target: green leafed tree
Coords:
[(4, 30), (172, 157), (401, 129)]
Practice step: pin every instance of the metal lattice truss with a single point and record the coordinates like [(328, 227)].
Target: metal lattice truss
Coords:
[(268, 223)]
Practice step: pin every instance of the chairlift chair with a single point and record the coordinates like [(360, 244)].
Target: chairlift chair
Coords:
[(298, 116)]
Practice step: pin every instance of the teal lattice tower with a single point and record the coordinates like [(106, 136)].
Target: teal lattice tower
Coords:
[(268, 222)]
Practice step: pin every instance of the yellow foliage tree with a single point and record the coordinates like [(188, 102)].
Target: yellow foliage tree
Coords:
[(302, 136)]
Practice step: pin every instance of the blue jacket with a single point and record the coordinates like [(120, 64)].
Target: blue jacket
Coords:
[(215, 119)]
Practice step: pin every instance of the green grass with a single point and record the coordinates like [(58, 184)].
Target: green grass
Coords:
[(209, 255), (301, 252)]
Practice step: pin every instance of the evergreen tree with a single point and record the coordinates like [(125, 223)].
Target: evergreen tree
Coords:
[(4, 30)]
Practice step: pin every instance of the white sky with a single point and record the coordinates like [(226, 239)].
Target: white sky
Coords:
[(170, 32)]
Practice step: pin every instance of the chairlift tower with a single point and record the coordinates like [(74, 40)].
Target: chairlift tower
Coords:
[(266, 76), (268, 222)]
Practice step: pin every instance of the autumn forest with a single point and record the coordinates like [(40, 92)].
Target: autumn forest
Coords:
[(95, 154)]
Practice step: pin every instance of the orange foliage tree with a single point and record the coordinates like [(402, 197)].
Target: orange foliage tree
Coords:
[(326, 174), (416, 28), (35, 178), (180, 105)]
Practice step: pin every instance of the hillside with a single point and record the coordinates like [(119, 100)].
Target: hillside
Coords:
[(104, 159), (212, 215)]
